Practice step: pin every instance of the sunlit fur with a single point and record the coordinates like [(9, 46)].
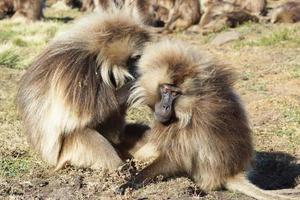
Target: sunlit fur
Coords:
[(182, 14), (32, 10), (220, 13), (286, 13), (211, 140), (68, 89), (256, 7)]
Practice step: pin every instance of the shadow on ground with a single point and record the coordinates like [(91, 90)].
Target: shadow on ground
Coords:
[(275, 170), (59, 19)]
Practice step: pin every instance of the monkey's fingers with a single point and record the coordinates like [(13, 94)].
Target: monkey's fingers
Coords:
[(130, 184), (121, 190)]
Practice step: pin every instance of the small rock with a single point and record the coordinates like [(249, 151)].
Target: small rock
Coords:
[(43, 183), (226, 37)]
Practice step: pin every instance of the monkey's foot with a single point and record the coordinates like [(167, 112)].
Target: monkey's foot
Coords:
[(121, 190)]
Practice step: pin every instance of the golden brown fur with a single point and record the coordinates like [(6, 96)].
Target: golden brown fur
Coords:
[(103, 5), (210, 140), (252, 6), (182, 14), (286, 13), (256, 7), (29, 9), (220, 13), (6, 8), (147, 11), (68, 98), (87, 5)]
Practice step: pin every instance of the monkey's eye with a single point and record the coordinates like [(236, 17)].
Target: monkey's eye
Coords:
[(174, 94), (136, 57), (165, 90), (132, 60)]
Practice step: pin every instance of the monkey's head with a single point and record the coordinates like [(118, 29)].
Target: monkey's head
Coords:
[(123, 45), (116, 39), (175, 81), (6, 8)]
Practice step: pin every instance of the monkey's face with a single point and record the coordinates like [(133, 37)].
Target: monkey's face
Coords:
[(168, 82), (164, 109)]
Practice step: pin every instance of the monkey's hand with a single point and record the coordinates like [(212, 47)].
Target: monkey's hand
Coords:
[(123, 93), (130, 184)]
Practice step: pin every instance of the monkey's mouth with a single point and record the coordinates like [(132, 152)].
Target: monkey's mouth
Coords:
[(164, 120)]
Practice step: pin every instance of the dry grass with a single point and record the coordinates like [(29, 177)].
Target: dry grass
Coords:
[(268, 63)]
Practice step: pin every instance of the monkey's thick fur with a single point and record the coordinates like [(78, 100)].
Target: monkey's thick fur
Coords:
[(68, 97), (30, 9), (209, 138), (288, 12)]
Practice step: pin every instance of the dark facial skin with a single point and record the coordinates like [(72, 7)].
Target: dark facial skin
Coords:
[(163, 110)]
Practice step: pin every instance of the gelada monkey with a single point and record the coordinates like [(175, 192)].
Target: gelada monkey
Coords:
[(72, 100), (200, 127)]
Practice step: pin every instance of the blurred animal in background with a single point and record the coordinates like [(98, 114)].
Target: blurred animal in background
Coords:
[(103, 5), (7, 8), (74, 3), (181, 14), (288, 12), (32, 10), (148, 11), (87, 6), (256, 7), (218, 14), (200, 128), (73, 97)]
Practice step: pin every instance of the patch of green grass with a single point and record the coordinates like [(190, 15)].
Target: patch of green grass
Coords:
[(9, 58), (290, 124), (6, 35), (209, 37), (247, 75), (277, 37), (256, 86), (12, 167), (295, 71), (284, 132), (20, 42), (292, 114)]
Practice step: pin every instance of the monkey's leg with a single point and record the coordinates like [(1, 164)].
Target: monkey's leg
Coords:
[(214, 26), (88, 148), (181, 24), (173, 16), (161, 166), (205, 19)]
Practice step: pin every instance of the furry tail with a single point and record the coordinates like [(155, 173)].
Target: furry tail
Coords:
[(241, 184)]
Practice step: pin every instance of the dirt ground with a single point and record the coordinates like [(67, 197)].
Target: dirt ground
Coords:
[(267, 61)]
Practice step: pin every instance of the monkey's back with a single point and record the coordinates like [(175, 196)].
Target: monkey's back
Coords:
[(69, 86)]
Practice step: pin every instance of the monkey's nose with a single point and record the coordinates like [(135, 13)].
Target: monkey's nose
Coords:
[(166, 107)]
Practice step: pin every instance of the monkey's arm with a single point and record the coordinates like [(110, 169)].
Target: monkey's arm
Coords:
[(173, 16), (161, 166)]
